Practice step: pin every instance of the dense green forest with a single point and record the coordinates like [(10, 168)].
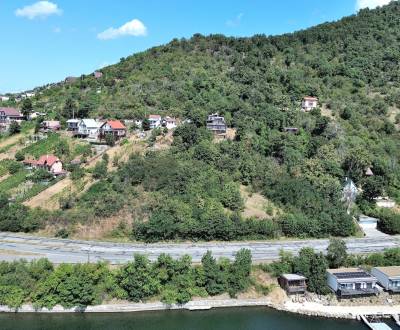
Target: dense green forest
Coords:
[(191, 191)]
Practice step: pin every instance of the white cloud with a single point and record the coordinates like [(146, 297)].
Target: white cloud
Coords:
[(371, 4), (57, 29), (133, 28), (236, 21), (40, 9)]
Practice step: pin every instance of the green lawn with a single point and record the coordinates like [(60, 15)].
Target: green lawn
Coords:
[(13, 181), (42, 147)]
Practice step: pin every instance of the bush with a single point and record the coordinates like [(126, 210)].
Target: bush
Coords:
[(19, 156), (14, 167), (389, 221)]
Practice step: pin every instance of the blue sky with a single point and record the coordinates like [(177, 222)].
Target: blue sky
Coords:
[(45, 41)]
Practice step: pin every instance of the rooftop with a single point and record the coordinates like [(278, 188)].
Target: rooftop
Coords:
[(10, 111), (293, 277), (348, 273), (391, 271)]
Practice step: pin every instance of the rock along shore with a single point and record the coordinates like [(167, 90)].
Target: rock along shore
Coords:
[(306, 308)]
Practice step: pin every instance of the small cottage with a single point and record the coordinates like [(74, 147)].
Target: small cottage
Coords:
[(72, 124), (98, 74), (155, 121), (50, 125), (113, 127), (347, 282), (169, 122), (50, 163), (293, 283), (308, 103), (388, 277), (216, 124)]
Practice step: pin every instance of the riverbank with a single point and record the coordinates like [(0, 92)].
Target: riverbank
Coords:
[(304, 308)]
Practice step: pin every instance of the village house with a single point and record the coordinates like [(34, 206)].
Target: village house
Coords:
[(4, 98), (7, 115), (155, 121), (169, 122), (70, 80), (347, 282), (114, 127), (50, 125), (98, 74), (293, 283), (308, 103), (88, 128), (388, 277), (35, 114), (72, 124), (216, 124), (50, 163)]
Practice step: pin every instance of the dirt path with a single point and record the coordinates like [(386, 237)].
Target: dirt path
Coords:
[(43, 199)]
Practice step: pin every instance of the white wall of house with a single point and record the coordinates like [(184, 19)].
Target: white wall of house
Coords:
[(56, 167), (155, 123)]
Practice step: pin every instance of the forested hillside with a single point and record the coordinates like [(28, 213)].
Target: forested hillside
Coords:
[(192, 190)]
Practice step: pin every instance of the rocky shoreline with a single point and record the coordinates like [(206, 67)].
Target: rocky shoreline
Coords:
[(305, 308)]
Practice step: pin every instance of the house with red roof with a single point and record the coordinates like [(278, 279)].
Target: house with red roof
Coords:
[(8, 115), (114, 127), (50, 163), (308, 103)]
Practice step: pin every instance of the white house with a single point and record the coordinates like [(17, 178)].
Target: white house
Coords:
[(89, 128), (155, 121), (4, 98), (351, 282), (388, 277), (169, 122), (308, 103)]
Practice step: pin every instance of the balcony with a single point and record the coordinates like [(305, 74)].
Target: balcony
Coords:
[(356, 292)]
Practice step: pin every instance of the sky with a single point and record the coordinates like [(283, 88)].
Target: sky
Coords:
[(46, 41)]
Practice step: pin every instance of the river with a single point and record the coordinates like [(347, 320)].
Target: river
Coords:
[(254, 318)]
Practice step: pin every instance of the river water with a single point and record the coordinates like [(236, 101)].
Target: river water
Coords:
[(254, 318)]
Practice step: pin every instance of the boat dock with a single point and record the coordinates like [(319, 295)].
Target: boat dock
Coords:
[(376, 325)]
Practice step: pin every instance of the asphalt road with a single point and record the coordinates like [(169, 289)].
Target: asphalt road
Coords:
[(15, 246)]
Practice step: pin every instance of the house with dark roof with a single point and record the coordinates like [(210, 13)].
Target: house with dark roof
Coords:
[(114, 127), (347, 282), (293, 283), (8, 115), (388, 277), (216, 124)]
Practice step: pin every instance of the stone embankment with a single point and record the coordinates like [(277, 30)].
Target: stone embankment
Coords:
[(305, 307)]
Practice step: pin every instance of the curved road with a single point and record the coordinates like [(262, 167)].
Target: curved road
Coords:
[(15, 246)]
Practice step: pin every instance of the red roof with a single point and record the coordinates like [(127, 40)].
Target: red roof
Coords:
[(48, 160), (11, 112), (154, 117), (116, 124), (310, 98)]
